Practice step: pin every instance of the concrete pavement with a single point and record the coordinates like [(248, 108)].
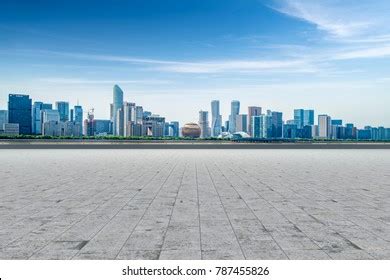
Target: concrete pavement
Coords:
[(195, 204)]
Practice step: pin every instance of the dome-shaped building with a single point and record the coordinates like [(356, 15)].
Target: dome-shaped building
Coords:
[(240, 135), (191, 130)]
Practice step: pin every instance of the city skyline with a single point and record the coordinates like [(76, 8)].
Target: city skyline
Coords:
[(332, 56), (131, 120)]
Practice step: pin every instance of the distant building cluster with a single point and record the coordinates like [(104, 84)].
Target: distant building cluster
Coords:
[(38, 118), (270, 125), (128, 119)]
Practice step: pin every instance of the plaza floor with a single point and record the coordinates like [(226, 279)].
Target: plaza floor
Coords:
[(195, 204)]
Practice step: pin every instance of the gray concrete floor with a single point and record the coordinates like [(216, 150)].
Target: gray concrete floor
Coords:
[(195, 204)]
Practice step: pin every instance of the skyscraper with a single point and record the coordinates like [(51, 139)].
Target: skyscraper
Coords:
[(299, 115), (241, 123), (36, 118), (235, 110), (277, 124), (204, 124), (216, 119), (139, 112), (324, 126), (262, 126), (308, 117), (37, 109), (19, 111), (252, 111), (78, 117), (129, 116), (350, 131), (117, 104), (63, 108)]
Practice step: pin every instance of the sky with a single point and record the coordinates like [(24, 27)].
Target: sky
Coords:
[(174, 56)]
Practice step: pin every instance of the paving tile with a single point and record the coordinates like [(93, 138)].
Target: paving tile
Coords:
[(195, 204)]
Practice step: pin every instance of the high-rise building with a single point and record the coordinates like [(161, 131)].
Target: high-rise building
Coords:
[(324, 126), (37, 109), (3, 118), (277, 124), (19, 111), (350, 131), (139, 112), (303, 117), (262, 126), (78, 117), (216, 119), (63, 108), (252, 111), (308, 117), (129, 115), (337, 129), (36, 126), (71, 115), (299, 115), (204, 124), (116, 106), (241, 123), (234, 112)]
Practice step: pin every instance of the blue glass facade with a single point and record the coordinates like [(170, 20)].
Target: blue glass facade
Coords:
[(308, 117), (20, 112), (277, 124), (63, 109)]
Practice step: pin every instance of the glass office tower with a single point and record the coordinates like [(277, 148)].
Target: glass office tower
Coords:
[(20, 112), (117, 104)]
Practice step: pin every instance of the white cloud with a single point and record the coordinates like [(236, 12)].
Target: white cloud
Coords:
[(239, 66), (55, 80), (341, 19), (198, 67), (370, 52)]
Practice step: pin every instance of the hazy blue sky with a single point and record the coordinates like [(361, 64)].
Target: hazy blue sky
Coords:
[(175, 56)]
